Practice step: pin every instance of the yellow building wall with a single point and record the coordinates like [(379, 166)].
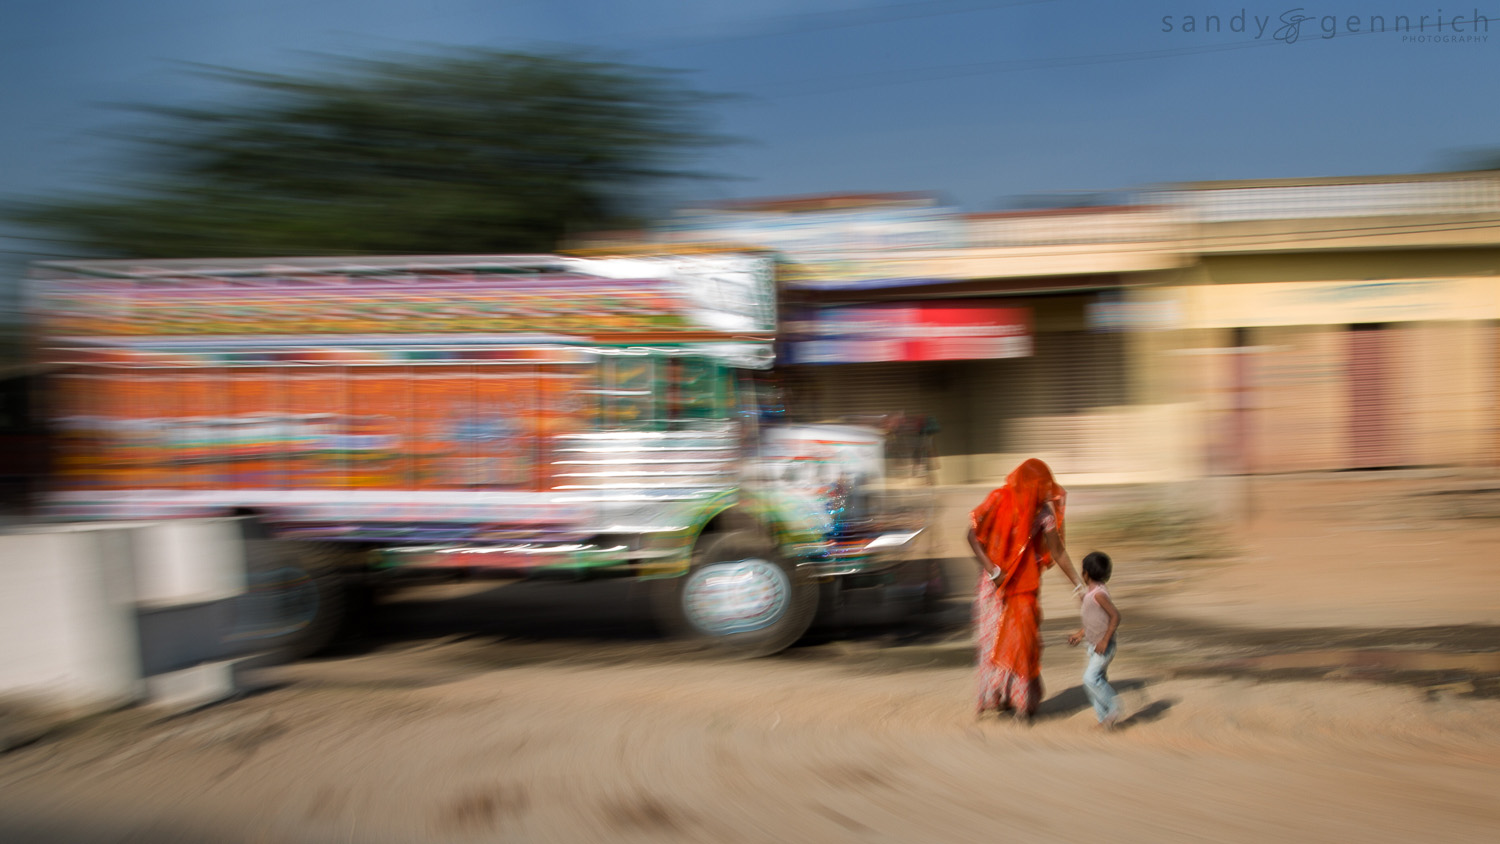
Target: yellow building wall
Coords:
[(1438, 312)]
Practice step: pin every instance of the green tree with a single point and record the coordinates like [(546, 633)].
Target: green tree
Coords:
[(475, 151)]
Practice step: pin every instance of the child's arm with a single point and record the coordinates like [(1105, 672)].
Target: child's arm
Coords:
[(1076, 637), (1114, 621)]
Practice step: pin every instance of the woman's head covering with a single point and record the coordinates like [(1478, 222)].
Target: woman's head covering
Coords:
[(1005, 522)]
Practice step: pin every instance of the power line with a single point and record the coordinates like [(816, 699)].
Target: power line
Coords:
[(840, 19), (809, 87), (1196, 240)]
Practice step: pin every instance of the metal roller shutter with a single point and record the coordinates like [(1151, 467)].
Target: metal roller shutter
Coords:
[(857, 391), (1326, 398), (1069, 404), (1370, 367), (1066, 403), (869, 389), (1443, 383), (1298, 399)]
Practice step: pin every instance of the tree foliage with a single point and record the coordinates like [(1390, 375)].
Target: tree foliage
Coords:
[(477, 152)]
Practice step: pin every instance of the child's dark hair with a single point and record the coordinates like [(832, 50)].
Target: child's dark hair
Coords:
[(1096, 566)]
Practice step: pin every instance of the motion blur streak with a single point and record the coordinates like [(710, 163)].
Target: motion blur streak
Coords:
[(533, 497)]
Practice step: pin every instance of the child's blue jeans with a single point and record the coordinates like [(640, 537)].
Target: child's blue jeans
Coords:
[(1096, 683)]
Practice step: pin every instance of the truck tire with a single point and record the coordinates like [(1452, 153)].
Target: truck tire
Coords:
[(740, 597), (300, 598)]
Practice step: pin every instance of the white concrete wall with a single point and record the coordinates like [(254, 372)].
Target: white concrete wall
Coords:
[(67, 620), (70, 598), (190, 561)]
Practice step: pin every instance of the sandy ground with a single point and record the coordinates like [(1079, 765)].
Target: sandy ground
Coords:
[(1336, 678), (1378, 550)]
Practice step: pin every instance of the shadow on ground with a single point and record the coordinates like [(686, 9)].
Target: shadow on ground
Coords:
[(541, 621), (1075, 699), (509, 623), (1149, 713)]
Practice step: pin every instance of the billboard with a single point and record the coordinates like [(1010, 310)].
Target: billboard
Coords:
[(910, 331)]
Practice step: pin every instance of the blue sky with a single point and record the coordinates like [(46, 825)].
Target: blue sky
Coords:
[(980, 100)]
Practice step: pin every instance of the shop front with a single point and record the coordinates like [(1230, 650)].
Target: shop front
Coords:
[(1333, 375), (999, 378)]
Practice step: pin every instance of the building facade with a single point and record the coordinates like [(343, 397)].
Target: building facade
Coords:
[(1207, 329), (1338, 324)]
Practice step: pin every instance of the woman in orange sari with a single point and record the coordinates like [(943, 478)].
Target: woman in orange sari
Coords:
[(1015, 534)]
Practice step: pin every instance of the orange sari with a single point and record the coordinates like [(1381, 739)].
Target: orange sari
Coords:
[(1010, 525)]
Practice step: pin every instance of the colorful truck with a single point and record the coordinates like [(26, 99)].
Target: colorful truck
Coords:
[(595, 416)]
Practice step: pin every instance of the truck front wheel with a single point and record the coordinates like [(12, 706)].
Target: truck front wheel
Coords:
[(740, 596)]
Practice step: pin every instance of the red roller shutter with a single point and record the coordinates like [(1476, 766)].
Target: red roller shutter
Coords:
[(1372, 440)]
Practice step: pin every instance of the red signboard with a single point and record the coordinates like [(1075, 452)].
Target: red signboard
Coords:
[(912, 331)]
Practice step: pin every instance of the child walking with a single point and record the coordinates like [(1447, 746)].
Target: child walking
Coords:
[(1100, 620)]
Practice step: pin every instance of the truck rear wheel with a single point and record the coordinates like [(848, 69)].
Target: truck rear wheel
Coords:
[(298, 600), (740, 596)]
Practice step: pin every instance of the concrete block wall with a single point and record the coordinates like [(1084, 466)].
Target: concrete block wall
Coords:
[(92, 615), (67, 620)]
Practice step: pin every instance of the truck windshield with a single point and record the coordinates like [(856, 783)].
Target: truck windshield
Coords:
[(658, 392)]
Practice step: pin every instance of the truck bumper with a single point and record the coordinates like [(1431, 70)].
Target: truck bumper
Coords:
[(882, 552)]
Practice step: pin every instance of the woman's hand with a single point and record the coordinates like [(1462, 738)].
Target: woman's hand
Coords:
[(1060, 556), (1075, 638)]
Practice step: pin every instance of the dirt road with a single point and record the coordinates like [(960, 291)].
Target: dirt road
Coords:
[(533, 712)]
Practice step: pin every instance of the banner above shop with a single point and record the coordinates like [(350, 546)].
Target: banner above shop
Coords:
[(830, 247), (1340, 302), (910, 331)]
